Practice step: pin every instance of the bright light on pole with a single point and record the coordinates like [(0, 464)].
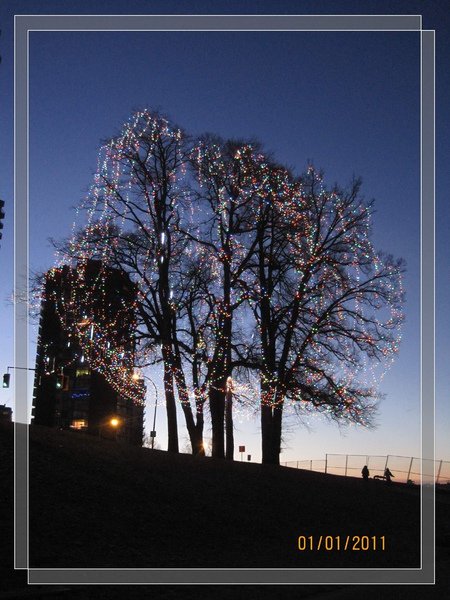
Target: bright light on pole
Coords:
[(139, 375)]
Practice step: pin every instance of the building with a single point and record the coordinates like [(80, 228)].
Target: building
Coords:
[(5, 413), (78, 306)]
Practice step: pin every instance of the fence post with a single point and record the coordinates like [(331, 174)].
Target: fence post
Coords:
[(409, 470), (386, 464), (439, 472), (297, 464), (346, 463), (326, 461), (310, 465)]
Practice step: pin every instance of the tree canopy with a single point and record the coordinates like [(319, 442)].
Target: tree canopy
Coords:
[(246, 275)]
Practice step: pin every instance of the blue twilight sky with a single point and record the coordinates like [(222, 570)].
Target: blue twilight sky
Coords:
[(348, 101)]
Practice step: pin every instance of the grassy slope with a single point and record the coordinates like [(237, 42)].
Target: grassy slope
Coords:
[(94, 503)]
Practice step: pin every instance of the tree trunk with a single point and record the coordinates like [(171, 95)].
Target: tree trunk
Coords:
[(171, 409), (217, 407), (271, 428), (199, 402), (266, 433), (277, 415), (221, 361), (229, 455), (195, 429), (171, 406), (198, 448)]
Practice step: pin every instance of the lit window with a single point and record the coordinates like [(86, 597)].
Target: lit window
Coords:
[(82, 372), (79, 424)]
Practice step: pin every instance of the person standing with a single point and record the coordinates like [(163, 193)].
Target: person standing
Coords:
[(388, 475)]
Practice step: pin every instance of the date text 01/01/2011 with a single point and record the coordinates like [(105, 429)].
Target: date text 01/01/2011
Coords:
[(352, 543)]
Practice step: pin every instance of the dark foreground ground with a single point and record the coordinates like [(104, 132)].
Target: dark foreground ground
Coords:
[(94, 503)]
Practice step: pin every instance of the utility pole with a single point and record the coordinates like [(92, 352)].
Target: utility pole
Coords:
[(2, 216)]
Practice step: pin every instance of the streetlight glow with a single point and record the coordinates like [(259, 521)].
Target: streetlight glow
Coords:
[(114, 422)]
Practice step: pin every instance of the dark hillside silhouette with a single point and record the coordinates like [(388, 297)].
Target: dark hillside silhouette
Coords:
[(94, 503), (90, 524)]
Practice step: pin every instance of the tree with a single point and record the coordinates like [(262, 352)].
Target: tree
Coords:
[(323, 299), (133, 225), (241, 269), (226, 173)]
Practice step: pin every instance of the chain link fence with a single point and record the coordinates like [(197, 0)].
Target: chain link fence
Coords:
[(403, 468)]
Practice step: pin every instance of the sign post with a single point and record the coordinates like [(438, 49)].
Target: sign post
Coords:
[(242, 450)]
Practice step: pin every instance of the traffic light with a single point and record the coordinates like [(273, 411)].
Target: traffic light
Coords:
[(62, 382), (6, 378), (2, 216)]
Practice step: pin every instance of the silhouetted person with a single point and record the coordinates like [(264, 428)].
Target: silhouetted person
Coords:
[(388, 475), (365, 473)]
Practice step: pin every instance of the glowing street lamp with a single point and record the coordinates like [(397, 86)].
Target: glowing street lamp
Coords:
[(113, 424)]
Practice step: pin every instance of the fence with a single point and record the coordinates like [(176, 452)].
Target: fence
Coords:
[(403, 468)]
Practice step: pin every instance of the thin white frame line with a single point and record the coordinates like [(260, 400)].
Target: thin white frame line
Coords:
[(27, 295), (149, 583), (103, 569), (182, 15), (27, 204), (421, 295), (14, 299), (434, 292), (434, 298), (433, 133), (228, 30), (151, 569)]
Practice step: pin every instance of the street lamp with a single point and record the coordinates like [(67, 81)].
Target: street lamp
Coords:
[(136, 376), (112, 422)]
